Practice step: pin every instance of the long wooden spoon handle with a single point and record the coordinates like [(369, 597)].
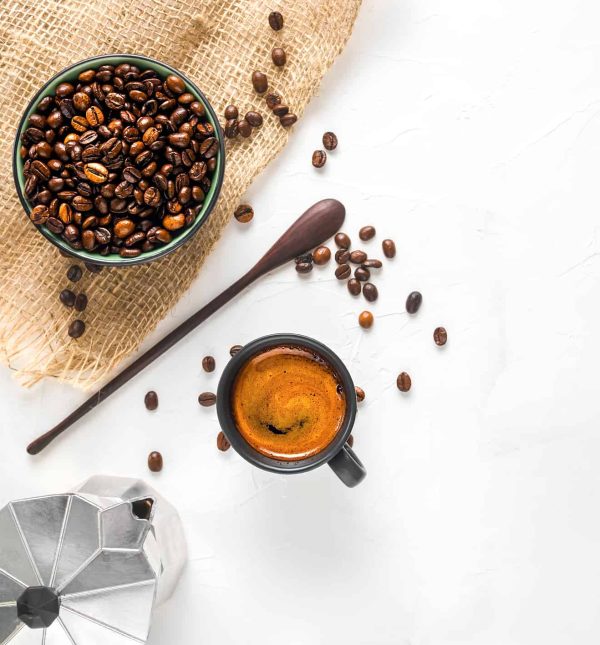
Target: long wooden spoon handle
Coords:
[(317, 224)]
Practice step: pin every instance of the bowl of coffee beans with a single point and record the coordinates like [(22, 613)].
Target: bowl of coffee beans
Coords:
[(119, 160)]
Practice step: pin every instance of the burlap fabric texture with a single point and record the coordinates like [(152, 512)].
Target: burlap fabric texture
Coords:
[(217, 43)]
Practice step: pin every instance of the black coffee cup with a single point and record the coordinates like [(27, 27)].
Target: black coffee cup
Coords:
[(338, 454)]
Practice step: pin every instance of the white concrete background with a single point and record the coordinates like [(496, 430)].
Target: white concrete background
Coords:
[(470, 133)]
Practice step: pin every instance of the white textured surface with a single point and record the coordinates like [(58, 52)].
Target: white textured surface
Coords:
[(469, 132)]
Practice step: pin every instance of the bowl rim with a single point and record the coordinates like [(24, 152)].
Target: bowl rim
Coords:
[(156, 254)]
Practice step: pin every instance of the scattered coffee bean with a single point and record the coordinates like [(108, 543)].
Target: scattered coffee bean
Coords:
[(330, 141), (319, 158), (365, 319), (321, 255), (288, 120), (244, 128), (206, 399), (244, 213), (342, 256), (155, 462), (276, 20), (260, 82), (67, 297), (389, 248), (358, 257), (413, 302), (366, 233), (370, 291), (151, 400), (343, 272), (273, 100), (76, 329), (231, 129), (254, 119), (234, 349), (360, 394), (304, 267), (342, 240), (279, 57), (354, 287), (350, 440), (372, 264), (208, 364), (403, 382), (362, 274), (81, 302), (223, 442), (440, 336), (307, 257), (125, 144), (231, 112), (74, 273), (93, 268)]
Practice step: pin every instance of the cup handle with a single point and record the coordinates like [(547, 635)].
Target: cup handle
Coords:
[(348, 467)]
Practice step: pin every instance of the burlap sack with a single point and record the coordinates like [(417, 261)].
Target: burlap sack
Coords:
[(218, 43)]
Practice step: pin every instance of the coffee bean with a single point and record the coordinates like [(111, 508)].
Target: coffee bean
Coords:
[(372, 264), (244, 213), (93, 268), (260, 82), (278, 56), (124, 228), (273, 100), (231, 129), (54, 225), (440, 336), (151, 400), (354, 287), (81, 302), (208, 364), (175, 84), (319, 158), (342, 240), (155, 462), (96, 172), (389, 248), (403, 382), (362, 274), (254, 119), (74, 273), (370, 292), (39, 215), (360, 394), (76, 328), (206, 399), (288, 120), (350, 441), (343, 272), (231, 112), (222, 442), (244, 128), (330, 141), (358, 257), (342, 256), (94, 116), (276, 20), (281, 110), (304, 267), (234, 349), (366, 233), (321, 255), (67, 297), (365, 319), (413, 302)]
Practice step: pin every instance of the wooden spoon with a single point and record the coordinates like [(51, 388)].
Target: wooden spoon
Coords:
[(317, 224)]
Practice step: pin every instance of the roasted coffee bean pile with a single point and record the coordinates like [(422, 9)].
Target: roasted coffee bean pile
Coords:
[(119, 161), (234, 126)]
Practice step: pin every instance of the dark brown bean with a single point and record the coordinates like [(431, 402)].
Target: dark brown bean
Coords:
[(93, 268), (360, 394), (175, 84), (231, 129), (304, 267), (358, 257), (231, 112), (260, 82), (440, 336), (276, 21), (319, 158), (343, 272), (208, 364), (342, 256), (151, 400), (342, 240), (403, 382), (389, 248), (280, 110), (206, 399), (155, 462), (321, 255), (372, 264), (288, 120), (76, 329), (362, 274), (366, 233), (354, 287), (370, 292), (67, 297), (244, 128), (254, 119), (413, 302), (222, 442), (365, 319), (330, 141), (234, 349), (278, 56), (244, 213), (273, 100), (81, 302), (74, 273)]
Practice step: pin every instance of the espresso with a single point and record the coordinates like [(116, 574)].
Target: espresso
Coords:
[(288, 403)]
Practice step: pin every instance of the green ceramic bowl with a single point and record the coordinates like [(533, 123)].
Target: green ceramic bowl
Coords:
[(70, 74)]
